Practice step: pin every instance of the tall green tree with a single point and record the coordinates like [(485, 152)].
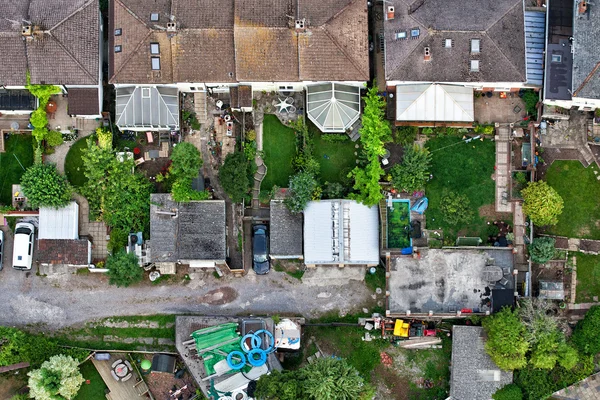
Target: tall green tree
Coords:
[(123, 269), (412, 173), (542, 249), (375, 132), (542, 203), (587, 332), (58, 378), (44, 186), (233, 176), (186, 161), (105, 138), (507, 342), (301, 190)]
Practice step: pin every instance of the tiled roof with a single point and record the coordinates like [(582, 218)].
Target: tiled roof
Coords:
[(63, 251), (498, 24), (249, 40), (83, 101), (64, 50), (586, 57), (241, 96), (286, 231)]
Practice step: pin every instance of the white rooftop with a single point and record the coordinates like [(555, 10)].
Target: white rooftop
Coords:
[(433, 102), (341, 232), (59, 223), (333, 107)]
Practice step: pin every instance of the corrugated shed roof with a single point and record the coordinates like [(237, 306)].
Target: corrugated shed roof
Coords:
[(61, 223), (535, 37), (341, 232)]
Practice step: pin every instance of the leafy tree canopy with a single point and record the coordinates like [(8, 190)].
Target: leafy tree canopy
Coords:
[(456, 208), (302, 189), (508, 392), (233, 176), (542, 203), (105, 138), (53, 138), (123, 269), (58, 378), (587, 333), (412, 173), (45, 187), (186, 161), (182, 191), (542, 249), (507, 344)]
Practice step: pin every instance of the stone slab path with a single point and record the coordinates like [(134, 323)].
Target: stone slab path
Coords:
[(503, 170)]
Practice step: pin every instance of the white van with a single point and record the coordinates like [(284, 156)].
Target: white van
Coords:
[(23, 248)]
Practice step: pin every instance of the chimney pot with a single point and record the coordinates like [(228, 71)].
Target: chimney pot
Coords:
[(427, 56), (390, 12)]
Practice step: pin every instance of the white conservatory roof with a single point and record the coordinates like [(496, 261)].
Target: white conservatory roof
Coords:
[(333, 107), (151, 107), (433, 102), (341, 232), (59, 223)]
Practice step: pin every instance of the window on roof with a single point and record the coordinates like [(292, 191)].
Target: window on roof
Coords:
[(154, 17), (475, 46), (154, 48), (155, 63), (118, 48), (118, 32), (415, 32), (401, 35), (474, 65), (447, 42), (556, 58)]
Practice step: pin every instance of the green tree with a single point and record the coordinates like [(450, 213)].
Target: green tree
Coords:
[(412, 173), (96, 165), (326, 378), (123, 269), (508, 392), (507, 343), (38, 118), (186, 161), (53, 138), (58, 378), (334, 190), (406, 135), (587, 332), (456, 208), (105, 138), (45, 187), (182, 191), (568, 356), (42, 92), (542, 249), (542, 203), (302, 188), (233, 176), (374, 133)]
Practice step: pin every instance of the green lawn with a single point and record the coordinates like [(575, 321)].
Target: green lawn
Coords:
[(95, 389), (465, 168), (588, 278), (74, 163), (10, 169), (337, 159), (580, 191), (279, 147)]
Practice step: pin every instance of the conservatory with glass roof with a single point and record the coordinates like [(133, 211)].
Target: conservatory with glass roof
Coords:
[(333, 107)]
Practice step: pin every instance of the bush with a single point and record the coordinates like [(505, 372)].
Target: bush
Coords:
[(531, 98), (587, 333), (182, 191), (186, 161), (541, 250), (335, 137), (251, 135), (506, 344), (456, 208), (117, 240), (54, 138), (484, 129), (406, 135), (38, 118), (412, 173), (334, 190), (427, 130), (542, 203), (45, 187), (58, 378), (508, 392), (301, 189), (123, 269), (233, 176), (105, 138)]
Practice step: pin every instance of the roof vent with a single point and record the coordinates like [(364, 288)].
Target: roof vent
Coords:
[(171, 27), (390, 13), (27, 30), (427, 54)]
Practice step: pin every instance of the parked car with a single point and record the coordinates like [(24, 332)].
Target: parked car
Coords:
[(260, 250), (23, 247), (1, 248)]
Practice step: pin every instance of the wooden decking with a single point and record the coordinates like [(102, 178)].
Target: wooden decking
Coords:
[(132, 389)]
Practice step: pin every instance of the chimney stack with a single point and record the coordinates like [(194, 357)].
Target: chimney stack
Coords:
[(427, 54), (390, 13)]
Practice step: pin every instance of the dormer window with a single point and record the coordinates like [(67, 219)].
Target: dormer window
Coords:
[(154, 48), (475, 46), (474, 65), (154, 17), (155, 63), (118, 32)]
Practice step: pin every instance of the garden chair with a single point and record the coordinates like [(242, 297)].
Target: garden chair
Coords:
[(119, 361), (292, 109), (128, 365), (127, 377), (114, 375)]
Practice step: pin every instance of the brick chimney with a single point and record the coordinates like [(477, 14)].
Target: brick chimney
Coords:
[(427, 56), (390, 13)]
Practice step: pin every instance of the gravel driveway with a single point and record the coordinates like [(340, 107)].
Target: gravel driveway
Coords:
[(64, 300)]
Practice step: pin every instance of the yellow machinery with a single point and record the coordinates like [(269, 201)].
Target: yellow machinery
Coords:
[(401, 328)]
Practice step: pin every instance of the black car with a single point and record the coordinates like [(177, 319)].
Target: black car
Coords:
[(260, 250)]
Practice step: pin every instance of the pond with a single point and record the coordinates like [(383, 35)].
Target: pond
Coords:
[(398, 224)]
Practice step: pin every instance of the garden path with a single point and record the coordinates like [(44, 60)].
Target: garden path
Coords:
[(261, 169), (502, 169), (60, 152)]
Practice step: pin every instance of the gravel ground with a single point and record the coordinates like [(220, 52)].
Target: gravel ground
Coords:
[(63, 300)]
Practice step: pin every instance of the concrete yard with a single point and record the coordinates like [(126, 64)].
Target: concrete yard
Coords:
[(447, 281)]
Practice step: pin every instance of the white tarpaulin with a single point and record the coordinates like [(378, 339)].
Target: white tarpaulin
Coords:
[(435, 103)]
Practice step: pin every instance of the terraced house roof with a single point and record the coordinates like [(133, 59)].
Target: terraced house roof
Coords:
[(238, 41), (60, 48)]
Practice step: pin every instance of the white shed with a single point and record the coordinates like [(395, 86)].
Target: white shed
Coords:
[(59, 223)]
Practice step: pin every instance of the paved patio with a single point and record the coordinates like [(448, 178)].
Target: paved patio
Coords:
[(494, 109)]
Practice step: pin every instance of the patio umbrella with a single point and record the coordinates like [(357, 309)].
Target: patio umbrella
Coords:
[(51, 106), (146, 365)]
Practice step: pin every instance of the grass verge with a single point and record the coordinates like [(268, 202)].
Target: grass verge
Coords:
[(74, 163), (13, 162), (580, 191), (95, 389)]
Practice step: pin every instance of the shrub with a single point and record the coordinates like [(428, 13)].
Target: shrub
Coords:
[(182, 191), (334, 190), (412, 173), (251, 135), (427, 130), (456, 208), (484, 129), (123, 269), (508, 392), (38, 118), (58, 378), (233, 176), (301, 189), (542, 203), (335, 137), (117, 240), (531, 98), (105, 138), (506, 344), (54, 138), (541, 250), (186, 161), (587, 333), (406, 135), (45, 187)]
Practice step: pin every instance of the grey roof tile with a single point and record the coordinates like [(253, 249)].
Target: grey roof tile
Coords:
[(586, 56), (286, 231)]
